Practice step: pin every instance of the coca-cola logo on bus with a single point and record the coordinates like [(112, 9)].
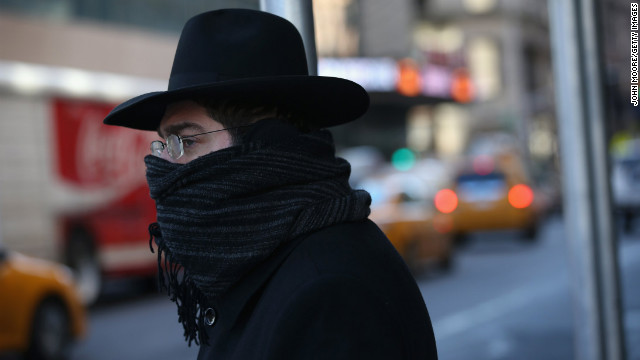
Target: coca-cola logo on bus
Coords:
[(93, 155)]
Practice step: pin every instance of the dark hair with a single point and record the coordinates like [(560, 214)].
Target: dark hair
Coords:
[(235, 113)]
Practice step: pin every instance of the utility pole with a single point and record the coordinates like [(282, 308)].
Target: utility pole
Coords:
[(578, 73), (300, 13)]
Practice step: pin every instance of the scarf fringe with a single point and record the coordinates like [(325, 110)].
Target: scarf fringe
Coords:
[(181, 289)]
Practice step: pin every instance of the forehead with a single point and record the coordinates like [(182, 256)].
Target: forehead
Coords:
[(184, 114)]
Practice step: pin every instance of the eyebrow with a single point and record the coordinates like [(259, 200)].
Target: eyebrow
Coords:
[(178, 127)]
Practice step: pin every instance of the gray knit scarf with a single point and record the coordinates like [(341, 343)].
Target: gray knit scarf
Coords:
[(222, 214)]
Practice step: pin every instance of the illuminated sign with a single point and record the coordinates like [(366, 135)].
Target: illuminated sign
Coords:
[(402, 76), (373, 74)]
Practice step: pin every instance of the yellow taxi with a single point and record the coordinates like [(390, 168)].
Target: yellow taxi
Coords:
[(490, 192), (40, 311), (403, 210)]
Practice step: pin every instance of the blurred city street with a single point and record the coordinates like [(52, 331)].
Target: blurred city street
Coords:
[(487, 122), (503, 299)]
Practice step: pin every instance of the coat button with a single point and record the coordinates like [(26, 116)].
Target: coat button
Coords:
[(210, 316)]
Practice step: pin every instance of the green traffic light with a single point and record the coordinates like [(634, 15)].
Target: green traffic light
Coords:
[(403, 159)]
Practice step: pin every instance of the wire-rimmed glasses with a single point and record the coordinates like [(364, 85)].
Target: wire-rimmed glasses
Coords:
[(175, 145)]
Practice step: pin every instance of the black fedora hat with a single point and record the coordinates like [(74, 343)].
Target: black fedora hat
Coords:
[(245, 54)]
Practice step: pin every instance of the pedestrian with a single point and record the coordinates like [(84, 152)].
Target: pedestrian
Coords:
[(263, 245)]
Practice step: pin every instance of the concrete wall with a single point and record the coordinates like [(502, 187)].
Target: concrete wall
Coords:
[(86, 46)]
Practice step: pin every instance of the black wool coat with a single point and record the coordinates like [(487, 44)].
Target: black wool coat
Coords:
[(340, 293)]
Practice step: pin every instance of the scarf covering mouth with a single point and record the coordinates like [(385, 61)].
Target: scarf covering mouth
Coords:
[(222, 214)]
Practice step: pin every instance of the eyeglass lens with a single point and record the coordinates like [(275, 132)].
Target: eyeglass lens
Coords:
[(157, 147), (174, 146)]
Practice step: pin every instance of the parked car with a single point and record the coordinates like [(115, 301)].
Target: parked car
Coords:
[(40, 311), (490, 193), (402, 208), (625, 183)]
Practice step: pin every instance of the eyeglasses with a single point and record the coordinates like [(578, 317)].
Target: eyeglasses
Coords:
[(175, 145)]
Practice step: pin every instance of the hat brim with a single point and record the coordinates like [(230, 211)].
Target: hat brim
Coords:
[(333, 101)]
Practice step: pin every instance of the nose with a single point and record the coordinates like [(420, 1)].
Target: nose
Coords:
[(181, 160), (165, 156)]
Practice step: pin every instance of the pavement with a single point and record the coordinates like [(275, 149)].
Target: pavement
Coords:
[(509, 300), (630, 284)]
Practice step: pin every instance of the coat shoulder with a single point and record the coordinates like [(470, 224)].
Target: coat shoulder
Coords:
[(358, 250), (348, 277)]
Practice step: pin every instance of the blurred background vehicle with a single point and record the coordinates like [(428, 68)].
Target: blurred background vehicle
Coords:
[(402, 205), (490, 192), (76, 192), (625, 181), (40, 310)]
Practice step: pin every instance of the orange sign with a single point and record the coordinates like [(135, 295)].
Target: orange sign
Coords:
[(461, 86), (409, 82)]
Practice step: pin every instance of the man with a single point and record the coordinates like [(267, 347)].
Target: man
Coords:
[(268, 253)]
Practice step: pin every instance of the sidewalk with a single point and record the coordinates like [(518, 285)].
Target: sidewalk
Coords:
[(630, 283)]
